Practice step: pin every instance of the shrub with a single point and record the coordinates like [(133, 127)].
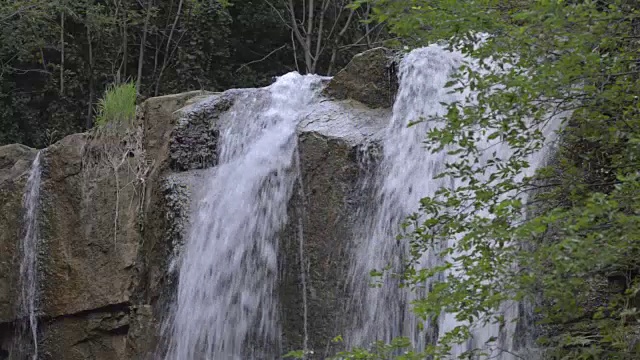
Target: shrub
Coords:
[(117, 105)]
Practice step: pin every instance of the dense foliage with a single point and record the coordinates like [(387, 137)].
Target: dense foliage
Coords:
[(58, 56), (565, 241)]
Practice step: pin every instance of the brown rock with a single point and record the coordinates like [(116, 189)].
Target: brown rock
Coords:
[(94, 258), (15, 163), (100, 334), (91, 255), (141, 337), (369, 78), (165, 199), (322, 213), (93, 265)]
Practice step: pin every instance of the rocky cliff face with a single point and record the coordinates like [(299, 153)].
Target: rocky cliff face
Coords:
[(15, 161), (111, 226), (92, 253)]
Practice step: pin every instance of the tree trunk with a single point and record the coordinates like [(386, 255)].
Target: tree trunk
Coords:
[(62, 53), (295, 52), (367, 26), (89, 120), (308, 58), (319, 47), (336, 43), (296, 31), (166, 53), (124, 45), (142, 46)]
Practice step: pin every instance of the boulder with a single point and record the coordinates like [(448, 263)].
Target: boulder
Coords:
[(98, 334), (142, 332), (369, 78), (188, 144), (316, 242), (195, 138), (15, 160), (90, 232)]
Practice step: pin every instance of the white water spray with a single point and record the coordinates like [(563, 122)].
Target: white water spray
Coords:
[(226, 303), (406, 174), (29, 254), (403, 177)]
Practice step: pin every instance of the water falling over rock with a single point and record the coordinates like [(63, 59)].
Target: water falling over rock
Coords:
[(29, 260), (226, 304), (262, 267), (403, 176), (406, 173)]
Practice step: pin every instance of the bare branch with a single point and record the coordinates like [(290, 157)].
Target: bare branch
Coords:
[(62, 53), (334, 52), (285, 22), (262, 59), (166, 57), (335, 22), (295, 55), (309, 56), (319, 48), (25, 71), (143, 41), (363, 37), (346, 25), (294, 26)]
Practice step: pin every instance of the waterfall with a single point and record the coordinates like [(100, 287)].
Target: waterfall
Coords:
[(406, 173), (29, 255), (226, 305)]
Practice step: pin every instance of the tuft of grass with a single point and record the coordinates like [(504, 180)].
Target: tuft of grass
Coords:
[(118, 104)]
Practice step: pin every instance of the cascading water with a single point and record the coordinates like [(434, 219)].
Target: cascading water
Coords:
[(401, 180), (406, 173), (29, 256), (226, 307)]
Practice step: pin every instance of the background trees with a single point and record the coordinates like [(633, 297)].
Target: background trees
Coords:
[(57, 56), (326, 31)]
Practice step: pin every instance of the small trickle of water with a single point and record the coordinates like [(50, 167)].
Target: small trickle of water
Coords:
[(301, 252), (226, 304), (29, 255), (406, 174)]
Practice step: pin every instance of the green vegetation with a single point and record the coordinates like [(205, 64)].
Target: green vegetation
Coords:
[(571, 251), (117, 105), (58, 56)]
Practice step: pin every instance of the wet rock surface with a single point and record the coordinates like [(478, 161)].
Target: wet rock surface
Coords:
[(110, 244), (195, 137), (315, 245), (15, 163)]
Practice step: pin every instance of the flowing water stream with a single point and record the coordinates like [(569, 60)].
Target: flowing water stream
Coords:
[(226, 306), (403, 177), (406, 174), (29, 258)]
